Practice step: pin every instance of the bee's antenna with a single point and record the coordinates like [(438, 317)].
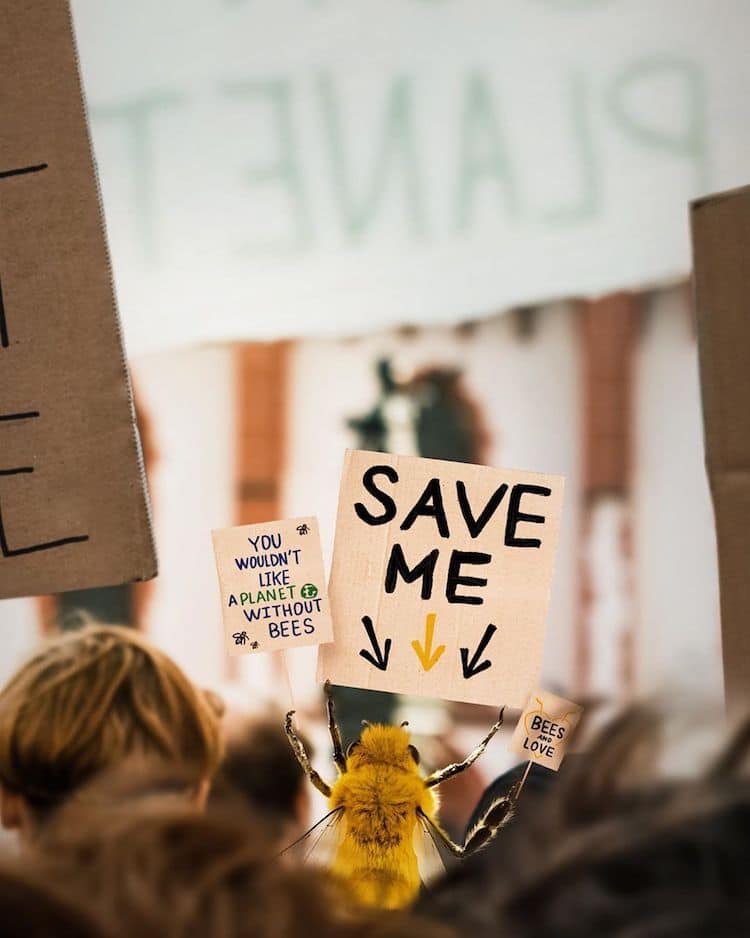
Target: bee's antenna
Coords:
[(405, 723)]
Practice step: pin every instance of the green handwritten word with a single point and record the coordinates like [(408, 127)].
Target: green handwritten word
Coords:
[(138, 118), (262, 596)]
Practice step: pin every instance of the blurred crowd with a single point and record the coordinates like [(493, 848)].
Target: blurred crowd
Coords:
[(138, 807)]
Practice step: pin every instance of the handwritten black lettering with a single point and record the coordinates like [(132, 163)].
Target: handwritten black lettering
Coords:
[(6, 174), (368, 483), (5, 548), (7, 551)]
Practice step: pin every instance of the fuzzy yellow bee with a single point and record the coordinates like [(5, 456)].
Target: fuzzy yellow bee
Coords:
[(382, 826)]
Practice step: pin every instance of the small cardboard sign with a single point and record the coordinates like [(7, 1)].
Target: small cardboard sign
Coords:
[(440, 578), (272, 585), (73, 506), (544, 730)]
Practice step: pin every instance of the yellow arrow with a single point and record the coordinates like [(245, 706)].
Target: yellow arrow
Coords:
[(424, 652)]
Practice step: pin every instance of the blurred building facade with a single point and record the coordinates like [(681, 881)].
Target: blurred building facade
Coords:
[(603, 392)]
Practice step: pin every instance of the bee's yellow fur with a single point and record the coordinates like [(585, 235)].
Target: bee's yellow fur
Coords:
[(382, 806), (380, 791)]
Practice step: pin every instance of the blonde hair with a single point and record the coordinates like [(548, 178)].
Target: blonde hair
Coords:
[(91, 699)]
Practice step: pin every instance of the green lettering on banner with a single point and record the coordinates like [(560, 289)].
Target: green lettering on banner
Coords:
[(396, 148), (691, 141), (137, 116), (285, 169), (482, 151), (566, 5), (589, 201)]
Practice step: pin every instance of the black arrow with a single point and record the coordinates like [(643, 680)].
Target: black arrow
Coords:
[(470, 668), (378, 660)]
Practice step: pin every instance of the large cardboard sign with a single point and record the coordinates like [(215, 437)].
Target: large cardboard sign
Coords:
[(545, 728), (272, 583), (721, 253), (441, 577), (73, 505)]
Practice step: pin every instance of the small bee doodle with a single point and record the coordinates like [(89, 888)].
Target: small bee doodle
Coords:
[(303, 529), (382, 831), (240, 638)]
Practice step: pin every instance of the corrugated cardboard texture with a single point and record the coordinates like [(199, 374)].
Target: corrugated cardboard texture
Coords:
[(545, 728), (721, 259), (73, 505), (272, 583), (485, 652)]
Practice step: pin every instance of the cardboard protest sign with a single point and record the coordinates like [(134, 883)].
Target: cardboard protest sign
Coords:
[(272, 583), (721, 254), (441, 577), (73, 504), (544, 730)]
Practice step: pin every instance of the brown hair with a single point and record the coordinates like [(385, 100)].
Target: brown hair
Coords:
[(614, 848), (178, 874), (33, 908), (89, 700), (260, 767)]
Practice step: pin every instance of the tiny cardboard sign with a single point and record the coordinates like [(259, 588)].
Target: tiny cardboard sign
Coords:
[(441, 577), (74, 511), (544, 730), (272, 585)]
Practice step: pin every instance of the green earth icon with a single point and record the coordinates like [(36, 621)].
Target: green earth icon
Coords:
[(308, 591)]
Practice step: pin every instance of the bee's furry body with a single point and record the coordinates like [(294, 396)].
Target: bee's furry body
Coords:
[(381, 792), (381, 806)]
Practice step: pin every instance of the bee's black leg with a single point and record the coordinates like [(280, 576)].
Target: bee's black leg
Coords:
[(333, 729), (442, 775), (299, 750), (498, 814), (456, 849)]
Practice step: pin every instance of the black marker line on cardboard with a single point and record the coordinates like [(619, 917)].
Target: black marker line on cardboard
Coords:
[(7, 551), (23, 170), (26, 415), (4, 340), (6, 174)]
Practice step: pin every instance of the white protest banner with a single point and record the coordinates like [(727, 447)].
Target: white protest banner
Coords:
[(420, 161), (441, 577), (544, 730), (272, 584)]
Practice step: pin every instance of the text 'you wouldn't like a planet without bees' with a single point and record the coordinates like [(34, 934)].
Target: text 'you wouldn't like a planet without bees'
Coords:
[(272, 583)]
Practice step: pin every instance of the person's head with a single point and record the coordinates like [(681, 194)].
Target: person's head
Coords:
[(31, 907), (89, 701), (260, 768), (161, 873), (614, 849)]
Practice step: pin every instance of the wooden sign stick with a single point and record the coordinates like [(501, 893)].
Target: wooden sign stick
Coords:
[(283, 666), (523, 780)]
